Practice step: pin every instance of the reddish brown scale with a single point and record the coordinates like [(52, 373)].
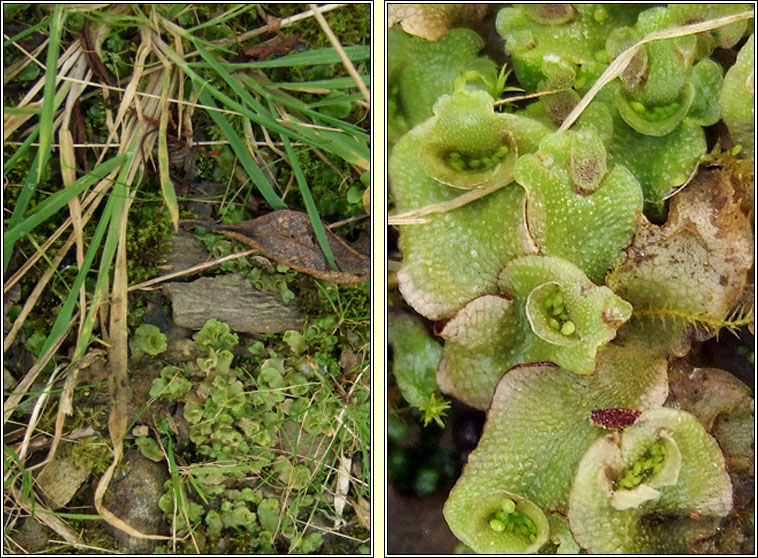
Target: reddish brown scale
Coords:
[(614, 419), (439, 325)]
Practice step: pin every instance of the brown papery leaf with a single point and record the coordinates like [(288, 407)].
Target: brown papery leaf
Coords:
[(431, 21), (90, 53), (287, 237), (694, 266)]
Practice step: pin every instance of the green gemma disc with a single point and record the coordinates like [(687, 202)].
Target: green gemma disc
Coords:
[(464, 163), (508, 519), (644, 468)]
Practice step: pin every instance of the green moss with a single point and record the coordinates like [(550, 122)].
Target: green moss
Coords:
[(351, 24), (147, 240)]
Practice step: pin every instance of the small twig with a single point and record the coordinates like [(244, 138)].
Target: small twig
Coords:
[(189, 270), (341, 52)]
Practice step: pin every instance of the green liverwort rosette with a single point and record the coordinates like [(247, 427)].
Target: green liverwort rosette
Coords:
[(548, 311), (737, 98), (725, 36), (458, 254), (659, 98), (652, 489), (415, 357), (419, 71), (538, 427), (577, 207), (466, 145), (659, 163), (535, 35)]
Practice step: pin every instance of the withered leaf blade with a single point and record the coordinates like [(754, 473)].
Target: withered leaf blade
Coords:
[(80, 136), (287, 237), (90, 53)]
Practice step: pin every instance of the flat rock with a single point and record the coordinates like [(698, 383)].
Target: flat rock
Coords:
[(230, 299), (61, 478)]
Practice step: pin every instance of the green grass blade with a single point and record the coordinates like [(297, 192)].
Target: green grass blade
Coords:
[(118, 201), (60, 199), (246, 159), (314, 57), (332, 84), (67, 310), (310, 206), (26, 32), (23, 148), (14, 110), (48, 100)]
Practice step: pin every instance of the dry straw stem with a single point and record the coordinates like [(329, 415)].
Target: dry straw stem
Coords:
[(341, 52), (615, 69), (412, 217), (619, 64)]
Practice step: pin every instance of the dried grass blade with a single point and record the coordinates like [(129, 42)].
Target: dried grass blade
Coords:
[(68, 172), (619, 64), (117, 362), (341, 52), (411, 217)]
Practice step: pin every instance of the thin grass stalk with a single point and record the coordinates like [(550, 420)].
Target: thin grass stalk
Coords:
[(48, 101), (619, 64), (346, 62)]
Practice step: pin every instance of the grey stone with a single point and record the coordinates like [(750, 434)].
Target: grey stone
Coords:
[(32, 536), (230, 299), (133, 497), (186, 251)]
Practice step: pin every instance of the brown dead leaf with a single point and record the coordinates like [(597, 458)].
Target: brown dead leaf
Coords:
[(431, 21), (259, 53), (287, 237), (707, 392), (694, 266)]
